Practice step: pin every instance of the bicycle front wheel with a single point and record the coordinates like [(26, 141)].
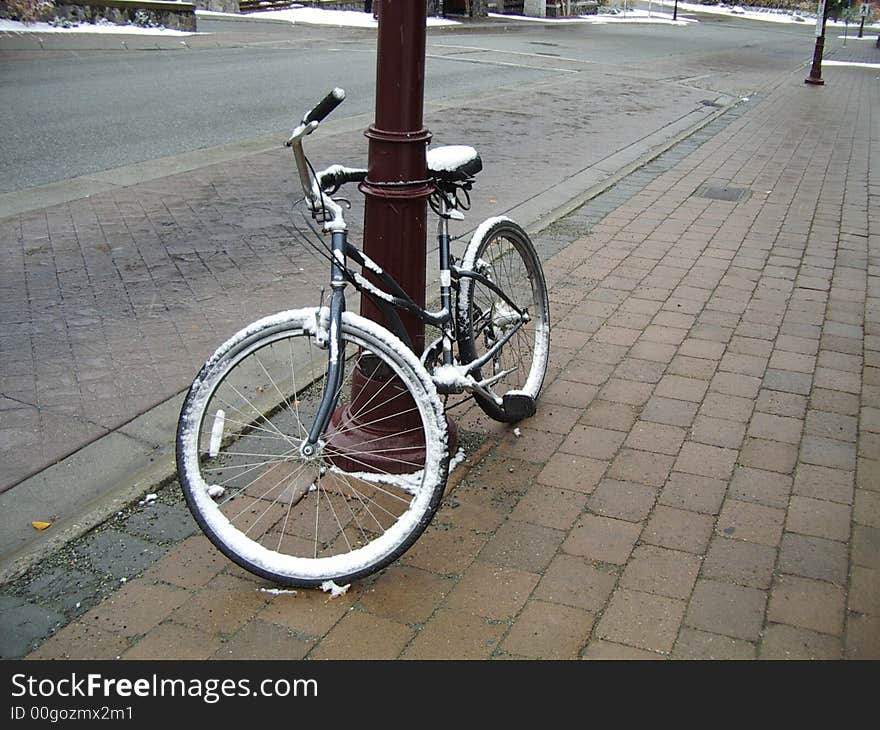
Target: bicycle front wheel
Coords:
[(341, 513), (501, 251)]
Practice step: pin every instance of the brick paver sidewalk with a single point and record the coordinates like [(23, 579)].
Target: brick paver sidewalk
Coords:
[(109, 304), (702, 477)]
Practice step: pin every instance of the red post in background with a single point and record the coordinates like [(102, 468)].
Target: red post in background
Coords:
[(815, 77)]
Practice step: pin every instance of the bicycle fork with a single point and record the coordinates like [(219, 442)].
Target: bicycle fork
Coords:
[(336, 356)]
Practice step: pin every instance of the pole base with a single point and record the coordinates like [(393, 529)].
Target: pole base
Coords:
[(380, 430), (404, 454), (814, 82)]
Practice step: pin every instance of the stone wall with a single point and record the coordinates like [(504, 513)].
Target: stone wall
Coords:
[(433, 6), (476, 8), (219, 6), (335, 4), (512, 7), (470, 8), (145, 13), (559, 8)]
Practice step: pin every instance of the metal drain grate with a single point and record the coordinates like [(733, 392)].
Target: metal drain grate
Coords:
[(722, 192)]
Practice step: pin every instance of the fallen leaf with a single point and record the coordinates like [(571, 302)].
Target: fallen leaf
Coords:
[(38, 525)]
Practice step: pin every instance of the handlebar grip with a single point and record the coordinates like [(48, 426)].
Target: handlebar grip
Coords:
[(334, 177), (325, 106)]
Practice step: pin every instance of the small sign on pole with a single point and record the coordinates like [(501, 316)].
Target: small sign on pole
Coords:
[(863, 12)]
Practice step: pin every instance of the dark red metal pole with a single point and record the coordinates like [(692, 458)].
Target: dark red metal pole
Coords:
[(396, 187), (395, 219)]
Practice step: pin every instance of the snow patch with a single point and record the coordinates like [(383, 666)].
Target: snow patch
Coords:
[(630, 15), (329, 586), (371, 265), (635, 15), (345, 18), (770, 15), (449, 157), (457, 459), (375, 291), (852, 64), (14, 26), (452, 376)]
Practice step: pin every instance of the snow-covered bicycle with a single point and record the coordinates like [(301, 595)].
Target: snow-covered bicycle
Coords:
[(312, 446)]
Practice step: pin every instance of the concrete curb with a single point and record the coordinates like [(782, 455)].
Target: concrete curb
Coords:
[(116, 469), (609, 171)]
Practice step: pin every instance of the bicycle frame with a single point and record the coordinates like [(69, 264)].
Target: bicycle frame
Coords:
[(335, 367), (449, 377)]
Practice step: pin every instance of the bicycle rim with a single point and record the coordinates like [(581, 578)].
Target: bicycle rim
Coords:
[(338, 516)]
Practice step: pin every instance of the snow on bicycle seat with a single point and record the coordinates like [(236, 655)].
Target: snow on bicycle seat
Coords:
[(453, 163)]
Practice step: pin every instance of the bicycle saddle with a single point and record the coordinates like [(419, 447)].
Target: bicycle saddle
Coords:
[(453, 163)]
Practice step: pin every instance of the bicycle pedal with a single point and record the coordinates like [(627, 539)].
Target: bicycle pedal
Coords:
[(519, 405)]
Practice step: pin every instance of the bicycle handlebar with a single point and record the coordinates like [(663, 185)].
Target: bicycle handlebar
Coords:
[(336, 176), (325, 106), (313, 187)]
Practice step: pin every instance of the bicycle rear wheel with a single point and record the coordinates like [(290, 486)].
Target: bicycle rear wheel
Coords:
[(343, 513), (502, 252)]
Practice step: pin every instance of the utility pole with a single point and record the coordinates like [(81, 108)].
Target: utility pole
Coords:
[(815, 77), (675, 11), (864, 13)]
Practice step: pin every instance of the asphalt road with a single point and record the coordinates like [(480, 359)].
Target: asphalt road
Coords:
[(77, 110)]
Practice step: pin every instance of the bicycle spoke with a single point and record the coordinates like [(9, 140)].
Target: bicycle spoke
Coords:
[(359, 425), (233, 495), (283, 397), (368, 467), (335, 517), (260, 414), (303, 430), (360, 498), (249, 425), (374, 478), (266, 493), (363, 533)]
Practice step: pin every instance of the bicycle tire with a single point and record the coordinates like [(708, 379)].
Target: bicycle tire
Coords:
[(502, 251), (301, 521)]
